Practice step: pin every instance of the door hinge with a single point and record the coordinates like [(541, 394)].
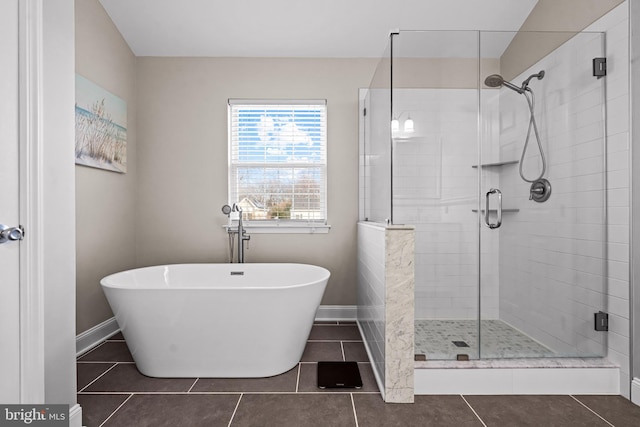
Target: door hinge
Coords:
[(601, 321), (364, 111), (599, 67)]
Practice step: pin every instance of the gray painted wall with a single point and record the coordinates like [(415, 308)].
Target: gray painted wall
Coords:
[(166, 208), (105, 201), (182, 159)]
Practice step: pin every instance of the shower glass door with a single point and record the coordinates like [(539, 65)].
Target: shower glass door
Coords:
[(497, 274), (435, 142), (543, 269)]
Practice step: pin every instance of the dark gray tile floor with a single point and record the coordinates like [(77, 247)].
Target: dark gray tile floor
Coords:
[(112, 392)]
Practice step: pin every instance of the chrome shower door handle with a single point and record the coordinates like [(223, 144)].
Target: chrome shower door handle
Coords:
[(499, 210), (499, 214)]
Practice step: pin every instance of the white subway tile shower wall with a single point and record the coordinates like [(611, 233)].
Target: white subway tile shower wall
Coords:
[(557, 260), (435, 189), (547, 290), (371, 292)]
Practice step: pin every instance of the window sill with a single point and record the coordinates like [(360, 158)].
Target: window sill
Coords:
[(282, 228)]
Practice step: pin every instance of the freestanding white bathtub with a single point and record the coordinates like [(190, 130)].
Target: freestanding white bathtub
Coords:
[(216, 320)]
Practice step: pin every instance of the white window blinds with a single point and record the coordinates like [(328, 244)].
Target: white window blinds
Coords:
[(278, 159)]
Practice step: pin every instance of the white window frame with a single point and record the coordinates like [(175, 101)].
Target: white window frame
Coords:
[(275, 225)]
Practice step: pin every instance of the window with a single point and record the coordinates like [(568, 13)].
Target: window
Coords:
[(278, 161)]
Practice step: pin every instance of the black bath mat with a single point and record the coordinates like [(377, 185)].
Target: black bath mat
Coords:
[(339, 375)]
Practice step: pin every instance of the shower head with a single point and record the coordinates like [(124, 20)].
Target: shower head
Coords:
[(496, 80)]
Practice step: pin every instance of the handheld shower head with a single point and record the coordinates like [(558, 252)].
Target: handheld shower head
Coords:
[(496, 80), (539, 76)]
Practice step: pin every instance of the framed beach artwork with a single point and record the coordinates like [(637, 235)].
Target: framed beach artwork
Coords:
[(101, 127)]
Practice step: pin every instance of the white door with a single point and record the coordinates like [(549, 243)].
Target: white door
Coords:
[(9, 204)]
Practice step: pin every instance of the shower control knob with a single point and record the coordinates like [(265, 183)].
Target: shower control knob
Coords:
[(540, 190), (10, 233)]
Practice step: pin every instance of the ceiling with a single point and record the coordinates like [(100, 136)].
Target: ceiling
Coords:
[(297, 28)]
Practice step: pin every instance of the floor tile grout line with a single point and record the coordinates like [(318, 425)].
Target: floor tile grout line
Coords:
[(353, 405), (311, 363), (298, 378), (473, 410), (193, 393), (90, 351), (116, 410), (335, 324), (97, 378), (235, 410), (193, 385), (591, 410)]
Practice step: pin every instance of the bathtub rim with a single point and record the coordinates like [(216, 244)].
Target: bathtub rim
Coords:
[(326, 275)]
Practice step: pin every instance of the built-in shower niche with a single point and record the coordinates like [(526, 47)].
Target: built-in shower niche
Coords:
[(519, 295)]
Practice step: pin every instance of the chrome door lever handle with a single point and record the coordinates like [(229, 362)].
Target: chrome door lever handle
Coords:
[(10, 233)]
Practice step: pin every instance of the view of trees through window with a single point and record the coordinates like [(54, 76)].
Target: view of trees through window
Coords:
[(278, 160)]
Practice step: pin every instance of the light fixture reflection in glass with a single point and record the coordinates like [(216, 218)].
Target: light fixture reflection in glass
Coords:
[(395, 125), (408, 125)]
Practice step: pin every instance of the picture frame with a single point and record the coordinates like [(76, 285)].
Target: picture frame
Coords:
[(101, 127)]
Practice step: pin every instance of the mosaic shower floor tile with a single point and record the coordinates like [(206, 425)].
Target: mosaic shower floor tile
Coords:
[(445, 339)]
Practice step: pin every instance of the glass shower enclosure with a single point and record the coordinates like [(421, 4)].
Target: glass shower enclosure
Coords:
[(492, 145)]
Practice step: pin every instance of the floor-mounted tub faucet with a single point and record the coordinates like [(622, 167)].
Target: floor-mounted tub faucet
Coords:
[(241, 232)]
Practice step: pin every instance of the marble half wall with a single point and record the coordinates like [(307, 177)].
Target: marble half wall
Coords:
[(386, 305)]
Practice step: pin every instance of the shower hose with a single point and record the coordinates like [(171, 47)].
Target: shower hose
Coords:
[(532, 124)]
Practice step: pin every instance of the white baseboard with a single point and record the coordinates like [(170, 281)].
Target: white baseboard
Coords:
[(337, 312), (635, 391), (94, 336), (75, 416)]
